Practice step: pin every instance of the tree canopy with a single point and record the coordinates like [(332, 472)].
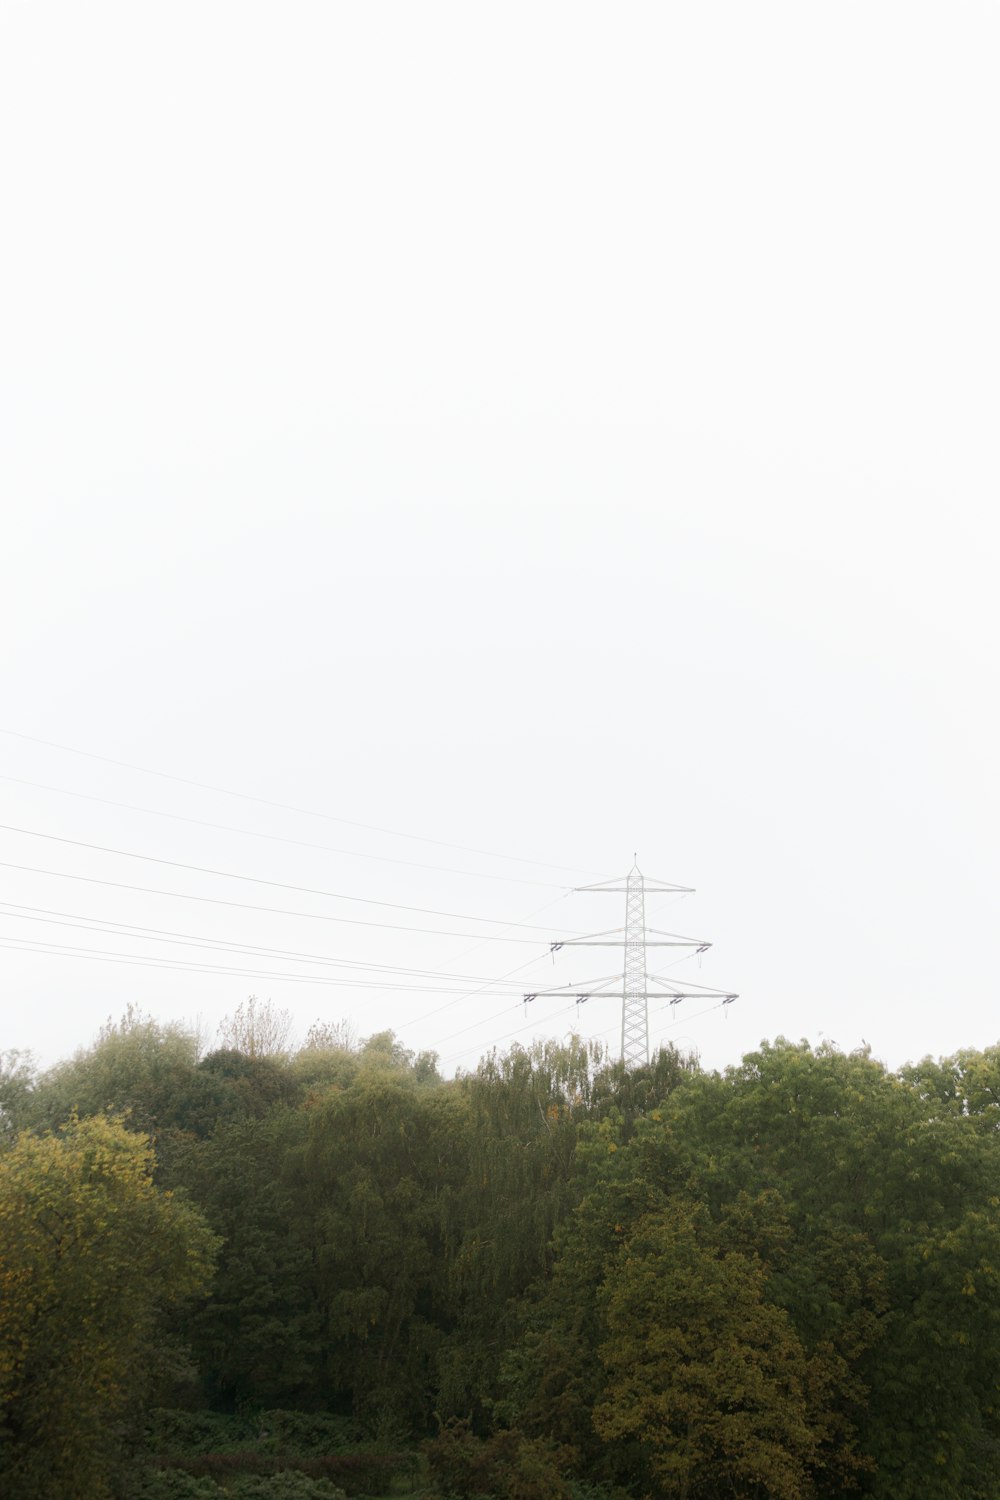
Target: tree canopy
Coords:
[(781, 1280), (92, 1258)]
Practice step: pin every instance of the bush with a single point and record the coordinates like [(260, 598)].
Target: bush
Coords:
[(583, 1489), (229, 1451), (173, 1431), (287, 1484), (306, 1432), (360, 1473), (172, 1484), (507, 1466), (277, 1431)]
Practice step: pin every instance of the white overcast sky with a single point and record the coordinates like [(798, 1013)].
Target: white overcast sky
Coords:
[(554, 430)]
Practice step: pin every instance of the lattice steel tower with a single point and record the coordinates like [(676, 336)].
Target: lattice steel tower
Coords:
[(635, 1010), (635, 938)]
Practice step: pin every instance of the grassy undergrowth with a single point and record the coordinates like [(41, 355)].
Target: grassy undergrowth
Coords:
[(269, 1455)]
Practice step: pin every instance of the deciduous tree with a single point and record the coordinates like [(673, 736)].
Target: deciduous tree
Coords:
[(91, 1254)]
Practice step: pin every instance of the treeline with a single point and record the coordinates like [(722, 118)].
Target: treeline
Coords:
[(554, 1277)]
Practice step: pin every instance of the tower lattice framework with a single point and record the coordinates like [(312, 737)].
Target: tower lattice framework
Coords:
[(635, 1006), (635, 937)]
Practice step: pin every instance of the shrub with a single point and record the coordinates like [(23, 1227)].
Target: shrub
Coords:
[(172, 1484), (173, 1431), (506, 1466), (288, 1484), (307, 1432), (360, 1473)]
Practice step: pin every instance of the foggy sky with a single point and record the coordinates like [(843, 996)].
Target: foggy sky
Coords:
[(559, 431)]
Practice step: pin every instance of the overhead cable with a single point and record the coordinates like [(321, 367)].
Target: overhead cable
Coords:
[(222, 945), (281, 911), (181, 966), (275, 838), (471, 994), (286, 807), (279, 885)]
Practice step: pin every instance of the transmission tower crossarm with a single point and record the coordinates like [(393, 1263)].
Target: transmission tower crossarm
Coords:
[(654, 887), (599, 943), (615, 937), (691, 984), (610, 942), (595, 992)]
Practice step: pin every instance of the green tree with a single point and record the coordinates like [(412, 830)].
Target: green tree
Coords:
[(370, 1186), (17, 1083), (257, 1339), (967, 1083), (257, 1028), (703, 1372), (520, 1119), (143, 1071), (92, 1254), (893, 1194)]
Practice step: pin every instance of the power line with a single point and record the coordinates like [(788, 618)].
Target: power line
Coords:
[(279, 885), (109, 928), (529, 1026), (180, 966), (684, 1020), (287, 807), (532, 1025), (490, 986), (451, 1035), (500, 979), (281, 911), (412, 864), (525, 921)]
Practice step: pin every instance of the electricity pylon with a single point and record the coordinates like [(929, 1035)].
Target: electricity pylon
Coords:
[(635, 937)]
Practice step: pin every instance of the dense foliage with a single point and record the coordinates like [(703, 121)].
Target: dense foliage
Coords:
[(558, 1277)]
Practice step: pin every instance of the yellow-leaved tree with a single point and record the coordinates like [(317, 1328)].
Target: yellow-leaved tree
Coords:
[(703, 1372), (91, 1255)]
